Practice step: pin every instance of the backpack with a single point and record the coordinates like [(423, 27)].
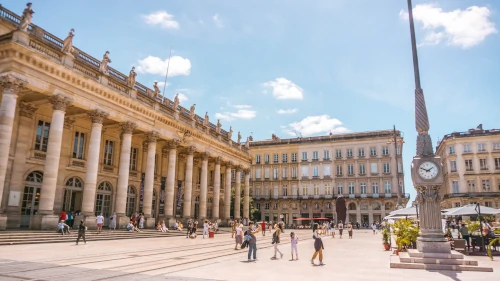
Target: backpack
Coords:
[(276, 238), (244, 244), (247, 237)]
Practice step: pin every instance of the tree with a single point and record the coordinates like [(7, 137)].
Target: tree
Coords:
[(254, 213)]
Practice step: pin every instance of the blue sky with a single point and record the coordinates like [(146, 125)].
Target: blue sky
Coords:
[(281, 66)]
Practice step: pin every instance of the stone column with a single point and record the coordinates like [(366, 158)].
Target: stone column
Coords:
[(237, 194), (227, 192), (170, 186), (216, 194), (246, 196), (431, 239), (64, 161), (46, 218), (149, 179), (203, 186), (123, 174), (11, 86), (188, 184), (90, 183)]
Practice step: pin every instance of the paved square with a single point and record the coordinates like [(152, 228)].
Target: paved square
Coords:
[(179, 258)]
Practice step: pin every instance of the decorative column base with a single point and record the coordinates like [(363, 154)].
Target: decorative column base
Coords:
[(3, 222), (169, 222), (44, 222), (122, 222), (90, 222), (433, 247), (150, 223)]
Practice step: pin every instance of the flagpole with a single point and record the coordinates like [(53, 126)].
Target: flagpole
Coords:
[(166, 75)]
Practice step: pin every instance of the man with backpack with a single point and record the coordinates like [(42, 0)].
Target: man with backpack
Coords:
[(251, 240)]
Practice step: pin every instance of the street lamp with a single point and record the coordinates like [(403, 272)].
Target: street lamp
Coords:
[(396, 140)]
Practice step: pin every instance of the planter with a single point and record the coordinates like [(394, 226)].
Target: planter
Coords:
[(387, 247)]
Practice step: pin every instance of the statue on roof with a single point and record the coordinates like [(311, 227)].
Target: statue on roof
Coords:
[(230, 133), (103, 67), (206, 121), (219, 126), (176, 102), (247, 143), (131, 78), (68, 43), (156, 89), (191, 111), (239, 138), (26, 18)]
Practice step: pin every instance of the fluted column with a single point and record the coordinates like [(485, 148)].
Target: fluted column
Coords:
[(188, 183), (246, 195), (237, 194), (149, 179), (123, 169), (227, 192), (90, 183), (170, 187), (11, 86), (203, 186), (51, 169), (216, 194)]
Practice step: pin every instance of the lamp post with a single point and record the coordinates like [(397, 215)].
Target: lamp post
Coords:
[(395, 140)]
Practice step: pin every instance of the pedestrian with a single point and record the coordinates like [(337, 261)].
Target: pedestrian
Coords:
[(69, 220), (205, 228), (239, 236), (349, 229), (341, 228), (81, 232), (263, 226), (276, 240), (252, 241), (63, 228), (63, 216), (100, 222), (141, 221), (374, 228), (189, 228), (294, 240), (112, 222), (318, 248), (464, 232), (193, 230)]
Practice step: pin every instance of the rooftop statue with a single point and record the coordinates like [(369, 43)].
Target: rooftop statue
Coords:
[(206, 121), (239, 138), (131, 77), (191, 111), (68, 43), (157, 89), (26, 18), (230, 133), (103, 67), (176, 101), (219, 125)]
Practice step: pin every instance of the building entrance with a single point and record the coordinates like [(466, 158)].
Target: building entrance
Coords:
[(31, 197)]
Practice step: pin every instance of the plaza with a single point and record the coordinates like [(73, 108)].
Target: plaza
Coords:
[(179, 258)]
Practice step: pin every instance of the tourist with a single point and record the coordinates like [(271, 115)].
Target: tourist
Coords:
[(158, 226), (464, 232), (193, 231), (141, 221), (81, 232), (232, 229), (62, 227), (163, 227), (100, 222), (294, 240), (341, 228), (263, 226), (69, 220), (112, 222), (252, 241), (189, 228), (349, 229), (281, 225), (205, 228), (318, 247), (216, 227), (239, 236), (176, 225), (130, 226), (276, 240), (63, 216), (245, 221), (374, 228)]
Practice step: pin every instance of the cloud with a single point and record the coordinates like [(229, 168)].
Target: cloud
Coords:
[(155, 65), (312, 125), (161, 18), (217, 21), (287, 111), (243, 112), (161, 84), (461, 28), (284, 89), (241, 106)]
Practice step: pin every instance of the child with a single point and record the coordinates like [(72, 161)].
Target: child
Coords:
[(293, 242), (318, 248)]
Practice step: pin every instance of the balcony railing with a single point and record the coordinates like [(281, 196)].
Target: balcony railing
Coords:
[(388, 195), (352, 195), (375, 195), (363, 196)]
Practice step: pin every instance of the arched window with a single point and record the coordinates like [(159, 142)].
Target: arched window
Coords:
[(72, 192), (363, 206), (131, 197), (103, 199), (35, 176), (352, 206), (376, 206), (74, 182), (389, 206), (105, 186), (31, 197)]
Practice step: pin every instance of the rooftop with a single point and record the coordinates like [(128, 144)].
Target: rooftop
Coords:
[(477, 132)]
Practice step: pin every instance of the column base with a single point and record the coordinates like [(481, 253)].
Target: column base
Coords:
[(44, 222), (13, 220), (169, 222), (3, 222), (122, 222), (150, 223), (433, 247), (90, 221)]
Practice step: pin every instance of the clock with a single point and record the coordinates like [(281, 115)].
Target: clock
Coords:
[(428, 170)]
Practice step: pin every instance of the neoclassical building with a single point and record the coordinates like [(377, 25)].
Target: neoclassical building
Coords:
[(78, 135), (471, 163), (303, 177)]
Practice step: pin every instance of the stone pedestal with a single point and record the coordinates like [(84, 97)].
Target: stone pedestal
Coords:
[(169, 222), (122, 222), (90, 222), (150, 223), (176, 115), (44, 222), (21, 37), (434, 247), (3, 222)]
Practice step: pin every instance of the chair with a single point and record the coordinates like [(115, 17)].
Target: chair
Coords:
[(459, 245)]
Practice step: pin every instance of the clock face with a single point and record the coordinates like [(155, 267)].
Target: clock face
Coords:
[(428, 170)]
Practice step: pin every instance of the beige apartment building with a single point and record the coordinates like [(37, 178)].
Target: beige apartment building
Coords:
[(472, 167), (78, 135), (303, 177)]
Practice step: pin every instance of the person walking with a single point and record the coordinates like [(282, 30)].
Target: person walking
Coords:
[(100, 222), (341, 228), (69, 220), (205, 228), (318, 248), (112, 222), (81, 232), (239, 236), (233, 229), (374, 228), (294, 240), (276, 241), (263, 226), (252, 241), (349, 229), (464, 232), (189, 228)]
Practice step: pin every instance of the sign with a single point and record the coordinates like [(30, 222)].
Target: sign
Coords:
[(14, 198)]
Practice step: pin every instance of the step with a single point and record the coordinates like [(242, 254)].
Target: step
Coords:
[(396, 263), (405, 257), (416, 254)]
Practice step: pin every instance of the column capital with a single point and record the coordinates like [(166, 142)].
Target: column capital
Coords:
[(239, 168), (128, 127), (11, 83), (205, 155), (59, 102), (196, 161), (247, 171), (229, 164), (172, 144), (145, 146), (181, 157), (152, 136), (164, 151), (218, 159), (191, 150), (68, 122), (27, 109), (97, 115)]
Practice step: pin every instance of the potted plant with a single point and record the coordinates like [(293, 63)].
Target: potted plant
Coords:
[(386, 236), (406, 234)]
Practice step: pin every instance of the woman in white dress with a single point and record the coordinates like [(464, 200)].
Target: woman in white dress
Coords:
[(112, 222), (141, 221)]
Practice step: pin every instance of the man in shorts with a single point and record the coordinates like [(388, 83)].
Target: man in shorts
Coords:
[(100, 222)]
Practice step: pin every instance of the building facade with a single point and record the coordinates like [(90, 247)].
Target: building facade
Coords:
[(303, 177), (78, 135), (471, 163)]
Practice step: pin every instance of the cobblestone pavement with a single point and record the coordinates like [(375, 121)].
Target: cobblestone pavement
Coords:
[(179, 258)]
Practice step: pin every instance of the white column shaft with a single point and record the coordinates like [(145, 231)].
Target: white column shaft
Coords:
[(123, 175), (227, 194), (170, 188), (216, 194), (246, 196), (203, 188), (188, 187), (237, 195), (149, 179), (90, 182), (7, 113)]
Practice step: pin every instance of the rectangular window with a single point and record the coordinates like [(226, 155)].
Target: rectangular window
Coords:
[(305, 190), (339, 170), (483, 164), (212, 178), (42, 136), (375, 187), (294, 157), (385, 150), (326, 170), (326, 155), (468, 165), (350, 169), (338, 153), (362, 187), (453, 166), (275, 158), (257, 173), (472, 185), (340, 188), (285, 190), (257, 159), (266, 206), (387, 187), (284, 173), (455, 186), (315, 155), (328, 190), (315, 171), (387, 168), (480, 147), (373, 151), (496, 146), (349, 152), (466, 148), (294, 172), (266, 159), (362, 169), (275, 173), (199, 177), (488, 204), (486, 185), (361, 152), (497, 163), (457, 204), (400, 167), (452, 149), (316, 189), (398, 150), (233, 174), (284, 158), (78, 145), (304, 156), (305, 171), (133, 158), (351, 187), (374, 168), (108, 152), (266, 173)]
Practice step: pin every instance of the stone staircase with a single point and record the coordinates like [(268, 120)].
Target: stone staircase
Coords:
[(18, 237), (455, 261)]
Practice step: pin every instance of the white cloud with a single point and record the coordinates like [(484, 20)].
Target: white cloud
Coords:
[(162, 18), (287, 111), (284, 89), (217, 21), (241, 106), (311, 125), (161, 84), (182, 97), (155, 65), (462, 28), (243, 112)]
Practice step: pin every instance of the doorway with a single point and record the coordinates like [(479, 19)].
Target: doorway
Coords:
[(103, 201), (31, 197), (73, 195)]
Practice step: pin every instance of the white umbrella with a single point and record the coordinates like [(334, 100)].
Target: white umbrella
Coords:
[(411, 211), (471, 209)]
